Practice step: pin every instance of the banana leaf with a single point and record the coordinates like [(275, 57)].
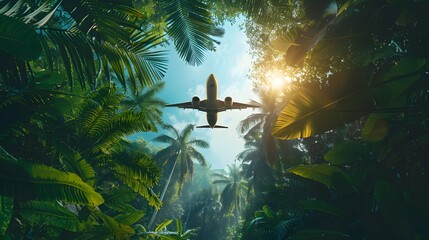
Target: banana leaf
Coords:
[(350, 94), (52, 214), (331, 176)]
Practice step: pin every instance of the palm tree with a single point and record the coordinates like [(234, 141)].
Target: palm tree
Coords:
[(145, 101), (234, 191), (259, 125), (76, 156), (255, 169), (182, 151), (94, 38)]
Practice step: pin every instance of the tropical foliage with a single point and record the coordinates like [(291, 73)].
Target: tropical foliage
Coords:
[(352, 108), (182, 152), (338, 152), (68, 169)]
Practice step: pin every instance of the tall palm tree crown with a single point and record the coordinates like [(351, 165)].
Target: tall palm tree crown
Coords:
[(259, 125), (182, 149), (234, 191), (147, 102)]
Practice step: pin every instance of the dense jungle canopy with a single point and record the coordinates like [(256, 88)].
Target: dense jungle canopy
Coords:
[(339, 152)]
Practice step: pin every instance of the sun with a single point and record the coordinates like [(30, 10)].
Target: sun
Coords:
[(277, 79), (277, 82)]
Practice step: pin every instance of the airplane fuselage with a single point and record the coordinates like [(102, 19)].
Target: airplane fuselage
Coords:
[(211, 88), (211, 105)]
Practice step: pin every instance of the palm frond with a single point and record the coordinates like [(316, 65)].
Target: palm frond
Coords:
[(171, 129), (18, 39), (186, 132), (73, 162), (194, 154), (190, 26), (118, 127), (140, 174), (27, 181), (199, 143), (164, 139), (251, 121), (166, 153), (131, 216)]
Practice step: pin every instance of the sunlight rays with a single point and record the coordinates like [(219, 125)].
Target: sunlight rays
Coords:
[(277, 79)]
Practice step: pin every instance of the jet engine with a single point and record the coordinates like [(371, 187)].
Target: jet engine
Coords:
[(228, 102), (195, 102)]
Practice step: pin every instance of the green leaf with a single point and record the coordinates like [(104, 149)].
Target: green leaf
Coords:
[(350, 95), (119, 196), (347, 153), (190, 26), (326, 174), (405, 66), (131, 216), (163, 225), (322, 206), (47, 79), (179, 227), (52, 214), (73, 162), (19, 39), (376, 127), (6, 207), (27, 181), (314, 111), (117, 229), (139, 173)]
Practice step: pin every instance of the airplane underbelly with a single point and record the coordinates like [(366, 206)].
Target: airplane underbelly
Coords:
[(212, 119), (211, 88)]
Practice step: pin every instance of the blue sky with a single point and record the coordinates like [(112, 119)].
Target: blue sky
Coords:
[(230, 63)]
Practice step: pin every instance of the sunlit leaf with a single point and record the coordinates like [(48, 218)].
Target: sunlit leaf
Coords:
[(376, 127), (313, 111), (329, 175), (350, 95), (163, 225), (347, 153)]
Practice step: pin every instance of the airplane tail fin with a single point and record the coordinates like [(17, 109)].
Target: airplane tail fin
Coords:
[(215, 126)]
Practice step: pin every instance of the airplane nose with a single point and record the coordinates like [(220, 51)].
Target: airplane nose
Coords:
[(212, 78)]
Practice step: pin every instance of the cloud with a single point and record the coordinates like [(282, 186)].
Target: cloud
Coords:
[(199, 90), (242, 66)]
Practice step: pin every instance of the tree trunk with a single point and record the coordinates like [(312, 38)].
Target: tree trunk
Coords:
[(152, 219), (236, 209)]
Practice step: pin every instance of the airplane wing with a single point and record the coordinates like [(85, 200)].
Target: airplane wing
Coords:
[(235, 105), (201, 106)]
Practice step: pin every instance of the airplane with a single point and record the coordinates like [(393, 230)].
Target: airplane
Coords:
[(212, 105)]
